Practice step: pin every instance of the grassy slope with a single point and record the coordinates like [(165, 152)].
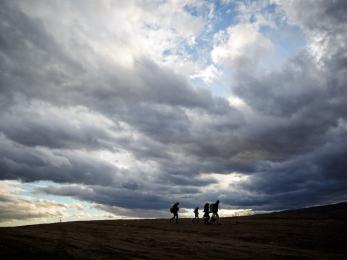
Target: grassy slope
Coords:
[(302, 234)]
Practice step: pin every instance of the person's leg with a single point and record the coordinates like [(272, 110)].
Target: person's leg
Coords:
[(213, 218), (173, 217), (206, 218), (217, 217)]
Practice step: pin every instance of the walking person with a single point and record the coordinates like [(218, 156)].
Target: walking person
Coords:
[(212, 218), (214, 210), (196, 215), (206, 216), (174, 210)]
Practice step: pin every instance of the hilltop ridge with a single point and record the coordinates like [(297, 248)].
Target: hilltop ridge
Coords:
[(294, 234)]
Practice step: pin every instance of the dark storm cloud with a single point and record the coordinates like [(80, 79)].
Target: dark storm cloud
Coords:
[(40, 124), (331, 14), (311, 179), (135, 201), (131, 199), (147, 97), (308, 101), (61, 101), (34, 164), (184, 181), (32, 61), (37, 66)]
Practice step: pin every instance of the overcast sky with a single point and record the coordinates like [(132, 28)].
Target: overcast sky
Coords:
[(120, 108)]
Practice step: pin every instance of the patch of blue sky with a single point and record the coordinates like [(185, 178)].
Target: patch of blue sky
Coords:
[(287, 39), (196, 82), (218, 87), (197, 52), (270, 8), (192, 10), (225, 15), (167, 52)]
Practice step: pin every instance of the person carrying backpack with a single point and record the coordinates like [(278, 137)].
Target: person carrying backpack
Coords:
[(206, 216), (174, 210), (212, 218), (214, 210), (196, 217)]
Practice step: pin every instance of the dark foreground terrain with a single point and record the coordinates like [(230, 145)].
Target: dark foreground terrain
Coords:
[(316, 233)]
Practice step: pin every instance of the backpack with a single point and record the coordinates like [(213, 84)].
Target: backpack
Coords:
[(211, 207)]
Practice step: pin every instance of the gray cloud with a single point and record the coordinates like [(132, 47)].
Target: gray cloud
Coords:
[(33, 164), (123, 198), (62, 102)]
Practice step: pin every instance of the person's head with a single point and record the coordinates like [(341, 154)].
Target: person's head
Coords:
[(217, 202)]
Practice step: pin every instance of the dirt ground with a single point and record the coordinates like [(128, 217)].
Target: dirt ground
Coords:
[(271, 236)]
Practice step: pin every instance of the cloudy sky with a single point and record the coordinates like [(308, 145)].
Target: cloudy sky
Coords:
[(113, 109)]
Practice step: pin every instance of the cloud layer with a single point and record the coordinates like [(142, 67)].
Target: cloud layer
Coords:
[(97, 98)]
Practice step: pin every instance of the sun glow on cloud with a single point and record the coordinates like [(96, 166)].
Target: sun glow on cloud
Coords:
[(224, 181), (18, 207), (114, 109)]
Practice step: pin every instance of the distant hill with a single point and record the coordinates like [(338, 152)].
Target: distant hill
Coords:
[(338, 210), (331, 208)]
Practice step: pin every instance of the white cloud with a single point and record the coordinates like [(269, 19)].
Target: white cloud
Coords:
[(208, 74), (122, 31), (241, 43), (239, 103), (224, 182)]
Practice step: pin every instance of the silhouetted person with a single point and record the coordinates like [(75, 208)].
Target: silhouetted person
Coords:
[(174, 210), (214, 209), (206, 216), (212, 218), (196, 217)]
